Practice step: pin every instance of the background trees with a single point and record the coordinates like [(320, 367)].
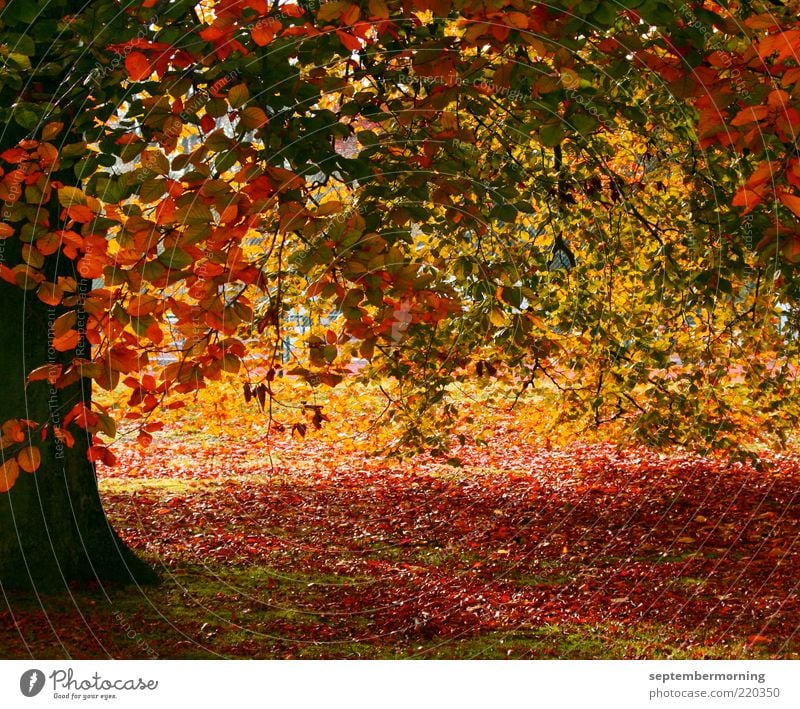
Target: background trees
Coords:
[(594, 199)]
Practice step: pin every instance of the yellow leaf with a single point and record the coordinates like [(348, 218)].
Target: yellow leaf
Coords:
[(497, 317)]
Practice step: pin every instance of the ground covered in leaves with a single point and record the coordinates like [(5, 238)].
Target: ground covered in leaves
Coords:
[(583, 551)]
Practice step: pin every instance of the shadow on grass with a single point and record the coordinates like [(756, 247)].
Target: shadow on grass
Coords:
[(221, 611)]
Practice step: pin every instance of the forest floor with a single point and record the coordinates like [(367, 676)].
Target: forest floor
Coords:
[(582, 551)]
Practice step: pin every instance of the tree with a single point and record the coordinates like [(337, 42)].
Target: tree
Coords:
[(408, 170)]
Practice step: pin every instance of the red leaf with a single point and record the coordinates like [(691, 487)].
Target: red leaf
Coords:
[(138, 66), (102, 454), (349, 41)]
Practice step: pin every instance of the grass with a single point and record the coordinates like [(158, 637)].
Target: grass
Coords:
[(219, 611), (225, 612)]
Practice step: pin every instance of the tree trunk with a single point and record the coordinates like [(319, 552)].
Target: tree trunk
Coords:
[(53, 529)]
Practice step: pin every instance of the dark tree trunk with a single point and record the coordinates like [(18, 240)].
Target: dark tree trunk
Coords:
[(53, 529)]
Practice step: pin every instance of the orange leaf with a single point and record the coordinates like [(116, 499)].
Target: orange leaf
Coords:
[(791, 201), (761, 22), (141, 305), (68, 341), (263, 33), (127, 139), (80, 213), (29, 459), (155, 334), (13, 431), (518, 20), (165, 211), (751, 114), (757, 640), (49, 293), (9, 472), (763, 173), (747, 198), (91, 266), (51, 372), (784, 43), (6, 230), (63, 323), (144, 439), (138, 66), (48, 243)]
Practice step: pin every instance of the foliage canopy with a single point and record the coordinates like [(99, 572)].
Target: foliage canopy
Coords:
[(596, 197)]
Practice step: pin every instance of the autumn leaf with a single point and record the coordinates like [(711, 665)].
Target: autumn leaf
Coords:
[(747, 198), (750, 114), (67, 341), (264, 31), (252, 118), (49, 293), (29, 459), (138, 66), (238, 95), (52, 130), (9, 472), (97, 453), (791, 249), (790, 201), (70, 196), (80, 213), (50, 372), (349, 41), (378, 9)]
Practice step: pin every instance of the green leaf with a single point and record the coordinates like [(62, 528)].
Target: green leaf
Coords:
[(367, 138), (26, 118), (504, 212), (176, 259), (551, 134)]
